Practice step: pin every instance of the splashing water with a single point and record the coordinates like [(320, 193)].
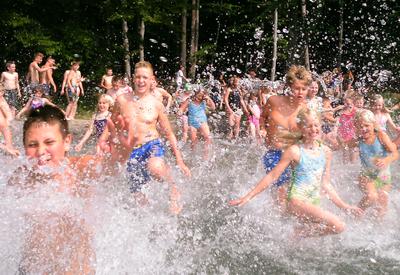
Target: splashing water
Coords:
[(208, 237)]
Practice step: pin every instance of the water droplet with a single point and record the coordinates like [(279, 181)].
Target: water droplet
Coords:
[(164, 45), (296, 55), (153, 40), (163, 59)]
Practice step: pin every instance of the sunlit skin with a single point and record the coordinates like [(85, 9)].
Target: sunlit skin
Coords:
[(374, 197), (102, 111), (278, 119), (106, 80), (203, 129), (47, 146), (45, 143), (307, 212), (142, 114)]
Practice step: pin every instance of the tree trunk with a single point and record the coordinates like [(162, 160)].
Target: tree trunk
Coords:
[(274, 52), (184, 36), (195, 36), (340, 46), (305, 34), (141, 42), (127, 57)]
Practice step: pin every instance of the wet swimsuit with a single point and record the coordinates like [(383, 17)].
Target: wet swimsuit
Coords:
[(197, 114), (138, 174), (307, 177), (37, 103), (255, 117), (368, 153), (270, 160), (234, 100), (346, 128), (11, 96), (100, 125)]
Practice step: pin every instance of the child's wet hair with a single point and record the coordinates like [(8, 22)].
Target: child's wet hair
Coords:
[(144, 64), (304, 113), (298, 73), (366, 116), (46, 114)]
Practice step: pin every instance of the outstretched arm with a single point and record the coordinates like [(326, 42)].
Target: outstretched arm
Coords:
[(330, 192), (292, 154), (87, 135)]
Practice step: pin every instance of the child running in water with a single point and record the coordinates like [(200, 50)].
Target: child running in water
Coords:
[(311, 162), (35, 102), (99, 120), (377, 152), (383, 118), (75, 90), (253, 112), (5, 117), (197, 118), (58, 239), (346, 128)]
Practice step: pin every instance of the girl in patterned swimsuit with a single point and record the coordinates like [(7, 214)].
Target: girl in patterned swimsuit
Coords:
[(311, 174), (99, 120), (35, 102), (377, 152)]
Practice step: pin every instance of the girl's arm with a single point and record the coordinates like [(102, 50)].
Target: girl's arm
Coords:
[(183, 107), (167, 95), (226, 100), (210, 103), (330, 192), (390, 147), (391, 124), (291, 154), (87, 135), (24, 110)]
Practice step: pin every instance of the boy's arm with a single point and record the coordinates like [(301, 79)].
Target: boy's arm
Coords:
[(166, 126)]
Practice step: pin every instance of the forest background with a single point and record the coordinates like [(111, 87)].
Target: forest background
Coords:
[(230, 35)]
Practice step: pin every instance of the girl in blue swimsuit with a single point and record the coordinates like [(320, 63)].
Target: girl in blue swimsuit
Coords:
[(99, 120), (311, 163), (377, 152), (197, 118)]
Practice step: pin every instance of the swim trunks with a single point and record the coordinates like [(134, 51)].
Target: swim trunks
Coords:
[(270, 160), (138, 174)]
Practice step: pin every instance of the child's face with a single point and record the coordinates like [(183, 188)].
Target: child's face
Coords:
[(311, 129), (299, 90), (378, 104), (313, 89), (109, 72), (45, 142), (143, 80), (103, 105), (359, 103), (200, 96), (365, 129), (38, 93), (116, 85), (11, 68), (348, 103)]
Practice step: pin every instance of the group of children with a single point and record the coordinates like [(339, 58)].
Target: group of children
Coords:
[(299, 129)]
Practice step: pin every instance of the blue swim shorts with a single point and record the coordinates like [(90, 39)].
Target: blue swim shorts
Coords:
[(138, 175), (270, 160)]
